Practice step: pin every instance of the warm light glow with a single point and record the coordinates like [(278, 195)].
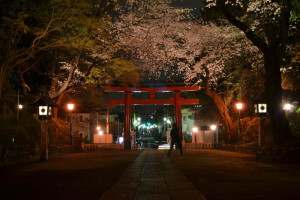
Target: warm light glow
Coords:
[(70, 106), (100, 132), (287, 106), (98, 128), (213, 127), (239, 106), (195, 129), (121, 139), (165, 119), (164, 146), (139, 119), (20, 106)]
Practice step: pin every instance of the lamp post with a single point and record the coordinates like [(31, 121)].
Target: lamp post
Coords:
[(194, 131), (239, 106), (71, 108), (20, 107), (213, 128)]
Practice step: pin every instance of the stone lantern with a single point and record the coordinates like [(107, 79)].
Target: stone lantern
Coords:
[(44, 104), (260, 109), (44, 111), (260, 112)]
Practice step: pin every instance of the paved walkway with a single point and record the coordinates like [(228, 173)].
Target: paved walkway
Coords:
[(152, 176)]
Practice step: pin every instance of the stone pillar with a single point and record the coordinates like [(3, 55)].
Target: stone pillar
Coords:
[(107, 121), (44, 140), (261, 136), (127, 143)]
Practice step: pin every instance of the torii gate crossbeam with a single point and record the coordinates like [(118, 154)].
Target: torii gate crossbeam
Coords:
[(128, 101)]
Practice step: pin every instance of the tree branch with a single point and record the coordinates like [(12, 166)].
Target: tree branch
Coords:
[(257, 41), (67, 82)]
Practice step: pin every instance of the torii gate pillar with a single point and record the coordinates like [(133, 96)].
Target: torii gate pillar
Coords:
[(127, 142), (178, 118)]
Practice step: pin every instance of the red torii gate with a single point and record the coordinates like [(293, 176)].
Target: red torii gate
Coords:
[(128, 101)]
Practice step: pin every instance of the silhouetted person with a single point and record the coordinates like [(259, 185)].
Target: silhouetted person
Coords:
[(175, 138)]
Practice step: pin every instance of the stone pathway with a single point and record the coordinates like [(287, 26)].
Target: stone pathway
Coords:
[(152, 176)]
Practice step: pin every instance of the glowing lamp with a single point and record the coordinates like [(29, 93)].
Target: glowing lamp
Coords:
[(239, 106), (287, 106), (98, 128), (213, 127), (70, 106)]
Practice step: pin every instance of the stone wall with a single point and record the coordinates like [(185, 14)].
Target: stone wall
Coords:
[(251, 148), (18, 153), (282, 154)]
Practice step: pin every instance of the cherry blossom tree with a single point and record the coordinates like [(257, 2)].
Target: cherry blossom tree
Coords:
[(167, 39), (267, 24)]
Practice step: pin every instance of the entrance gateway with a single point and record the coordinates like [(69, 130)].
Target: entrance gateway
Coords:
[(177, 101)]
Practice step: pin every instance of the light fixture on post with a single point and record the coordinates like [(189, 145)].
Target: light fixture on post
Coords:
[(20, 107), (214, 128), (194, 131), (44, 104), (239, 107), (70, 107), (100, 132)]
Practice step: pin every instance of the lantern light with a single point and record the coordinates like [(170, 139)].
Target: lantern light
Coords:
[(44, 105)]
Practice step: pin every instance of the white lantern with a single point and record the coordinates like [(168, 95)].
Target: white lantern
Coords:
[(260, 109)]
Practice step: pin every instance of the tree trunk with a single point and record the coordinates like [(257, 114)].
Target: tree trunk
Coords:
[(222, 108), (2, 103), (280, 127), (55, 109)]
